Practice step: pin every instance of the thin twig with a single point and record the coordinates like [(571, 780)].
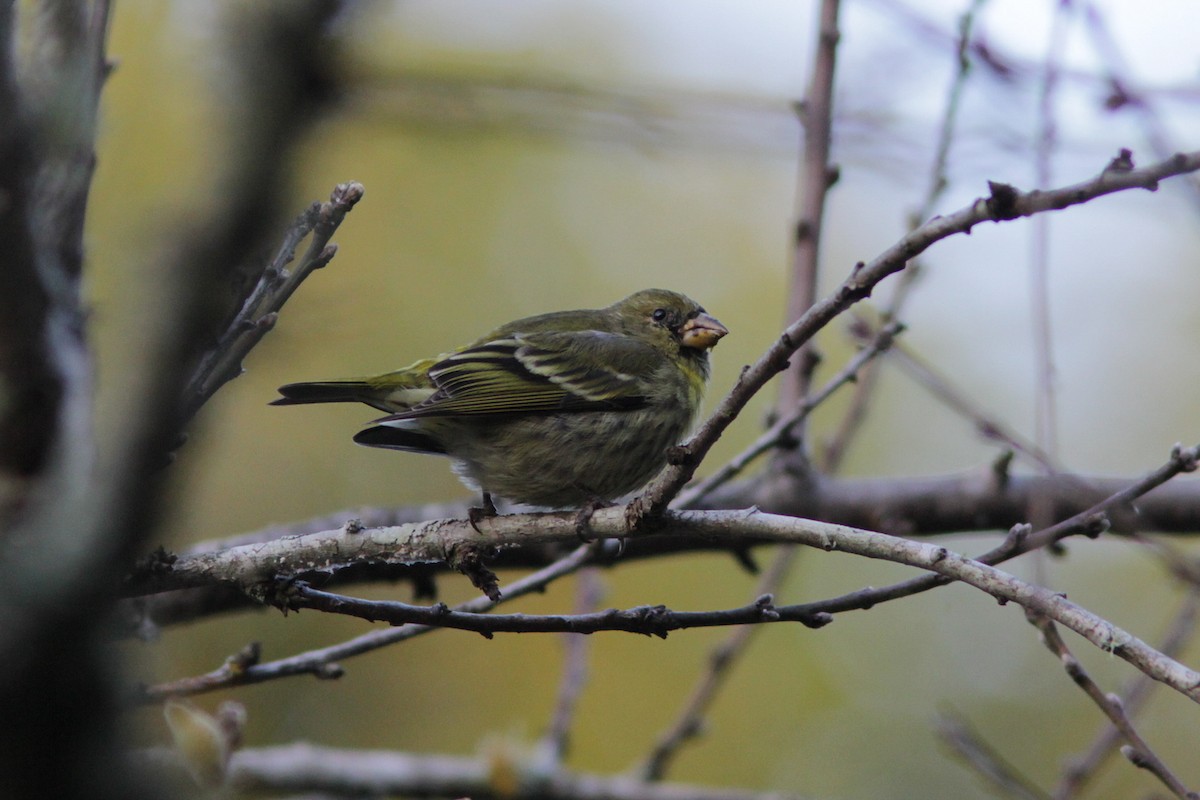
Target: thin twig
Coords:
[(258, 312), (1020, 540), (646, 620), (939, 169), (1140, 752), (1135, 694)]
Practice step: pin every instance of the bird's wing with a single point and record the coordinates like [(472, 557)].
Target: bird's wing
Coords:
[(538, 373)]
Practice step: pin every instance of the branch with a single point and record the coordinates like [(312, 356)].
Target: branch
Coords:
[(222, 362), (258, 570), (1004, 203), (646, 620), (927, 506), (380, 773), (241, 669)]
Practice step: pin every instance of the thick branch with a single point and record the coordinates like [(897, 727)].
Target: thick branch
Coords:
[(911, 506), (257, 569), (379, 773)]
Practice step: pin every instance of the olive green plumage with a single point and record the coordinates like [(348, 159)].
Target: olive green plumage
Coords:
[(555, 410)]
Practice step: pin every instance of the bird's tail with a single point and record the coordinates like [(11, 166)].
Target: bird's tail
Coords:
[(326, 392)]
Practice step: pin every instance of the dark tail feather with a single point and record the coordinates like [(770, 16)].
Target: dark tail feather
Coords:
[(323, 392), (399, 439)]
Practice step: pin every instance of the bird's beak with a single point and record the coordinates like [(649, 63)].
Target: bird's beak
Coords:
[(701, 332)]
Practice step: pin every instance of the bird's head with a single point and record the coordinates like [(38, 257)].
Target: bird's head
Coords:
[(669, 319)]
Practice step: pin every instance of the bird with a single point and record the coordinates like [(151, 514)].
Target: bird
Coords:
[(558, 410)]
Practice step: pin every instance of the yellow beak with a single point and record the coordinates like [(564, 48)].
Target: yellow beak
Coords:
[(701, 332)]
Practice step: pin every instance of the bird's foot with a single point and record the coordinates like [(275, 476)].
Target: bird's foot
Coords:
[(583, 520), (476, 514)]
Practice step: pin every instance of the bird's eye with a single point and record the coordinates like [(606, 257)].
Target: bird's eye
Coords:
[(659, 314)]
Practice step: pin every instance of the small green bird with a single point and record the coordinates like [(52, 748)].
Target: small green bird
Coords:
[(556, 410)]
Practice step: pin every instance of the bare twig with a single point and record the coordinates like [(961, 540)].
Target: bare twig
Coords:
[(647, 620), (223, 361), (939, 169), (1141, 754), (1080, 770)]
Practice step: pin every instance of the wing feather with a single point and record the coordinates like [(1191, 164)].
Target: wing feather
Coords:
[(537, 373)]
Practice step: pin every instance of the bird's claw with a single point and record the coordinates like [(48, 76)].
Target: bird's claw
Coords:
[(583, 518), (476, 514)]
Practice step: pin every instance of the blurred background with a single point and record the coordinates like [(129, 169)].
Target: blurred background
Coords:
[(539, 155)]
